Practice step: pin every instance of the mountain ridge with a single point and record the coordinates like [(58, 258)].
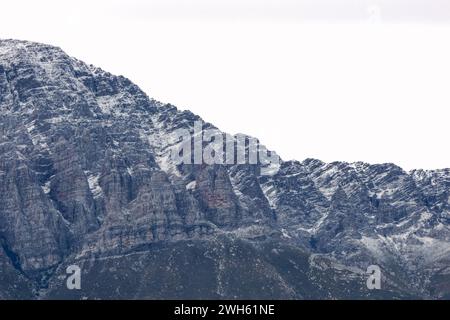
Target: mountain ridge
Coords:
[(86, 175)]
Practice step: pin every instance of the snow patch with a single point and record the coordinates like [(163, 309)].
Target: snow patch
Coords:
[(94, 185), (191, 185), (46, 188), (270, 193)]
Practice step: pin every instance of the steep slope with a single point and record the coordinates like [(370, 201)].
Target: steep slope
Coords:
[(88, 177)]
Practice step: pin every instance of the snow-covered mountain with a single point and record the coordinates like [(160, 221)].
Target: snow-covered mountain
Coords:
[(87, 178)]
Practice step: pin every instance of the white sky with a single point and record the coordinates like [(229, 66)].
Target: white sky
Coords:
[(335, 80)]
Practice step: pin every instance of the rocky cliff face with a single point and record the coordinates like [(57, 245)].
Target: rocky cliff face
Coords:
[(86, 178)]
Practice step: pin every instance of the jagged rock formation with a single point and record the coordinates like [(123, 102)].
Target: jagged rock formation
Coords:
[(86, 178)]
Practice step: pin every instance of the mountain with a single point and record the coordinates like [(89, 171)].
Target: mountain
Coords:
[(88, 178)]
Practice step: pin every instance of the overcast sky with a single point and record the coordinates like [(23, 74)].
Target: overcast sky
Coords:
[(335, 80)]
